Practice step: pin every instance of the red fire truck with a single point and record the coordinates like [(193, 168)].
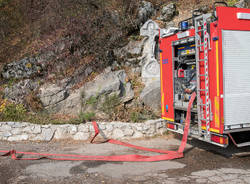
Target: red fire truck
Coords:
[(208, 54)]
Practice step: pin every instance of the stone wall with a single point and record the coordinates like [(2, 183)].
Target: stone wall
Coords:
[(16, 131)]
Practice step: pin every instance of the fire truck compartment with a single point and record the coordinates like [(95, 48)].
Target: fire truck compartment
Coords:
[(236, 74)]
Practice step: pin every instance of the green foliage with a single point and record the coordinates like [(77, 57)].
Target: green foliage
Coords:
[(135, 117), (11, 82), (140, 115), (12, 112), (43, 118), (17, 112), (88, 116), (110, 103), (92, 100), (231, 2), (136, 37)]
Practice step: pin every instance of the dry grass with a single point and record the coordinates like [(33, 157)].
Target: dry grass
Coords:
[(30, 27), (33, 102)]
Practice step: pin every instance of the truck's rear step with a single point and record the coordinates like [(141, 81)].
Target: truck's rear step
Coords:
[(240, 139)]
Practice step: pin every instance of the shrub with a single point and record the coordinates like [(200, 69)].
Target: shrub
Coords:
[(88, 116), (231, 2), (91, 101), (110, 103), (135, 117), (12, 112)]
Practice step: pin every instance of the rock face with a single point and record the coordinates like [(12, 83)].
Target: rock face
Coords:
[(27, 67), (128, 92), (58, 99), (168, 12), (37, 65), (146, 10), (106, 83), (242, 4), (71, 105), (22, 69), (17, 92), (90, 96), (150, 96), (150, 65), (131, 53), (109, 83), (51, 94)]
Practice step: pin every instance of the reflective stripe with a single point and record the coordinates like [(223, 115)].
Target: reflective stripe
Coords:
[(168, 119), (221, 140), (211, 129), (217, 68), (217, 111), (162, 93), (214, 130), (162, 103)]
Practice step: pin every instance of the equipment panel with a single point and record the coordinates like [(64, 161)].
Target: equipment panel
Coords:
[(184, 76)]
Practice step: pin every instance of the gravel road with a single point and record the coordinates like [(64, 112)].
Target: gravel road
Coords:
[(203, 163)]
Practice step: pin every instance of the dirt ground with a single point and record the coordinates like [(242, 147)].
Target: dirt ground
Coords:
[(203, 163)]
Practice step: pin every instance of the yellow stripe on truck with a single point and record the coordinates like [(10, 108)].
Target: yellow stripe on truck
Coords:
[(217, 111), (162, 94), (168, 119), (162, 103), (217, 68), (211, 129)]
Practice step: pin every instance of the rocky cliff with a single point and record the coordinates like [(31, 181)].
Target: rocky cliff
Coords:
[(83, 60)]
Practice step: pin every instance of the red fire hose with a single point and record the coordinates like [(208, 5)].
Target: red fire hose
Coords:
[(165, 155)]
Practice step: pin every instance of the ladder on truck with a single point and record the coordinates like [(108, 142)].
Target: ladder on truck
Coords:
[(202, 44)]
